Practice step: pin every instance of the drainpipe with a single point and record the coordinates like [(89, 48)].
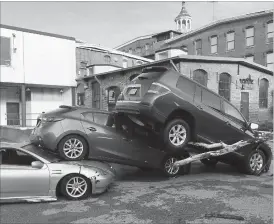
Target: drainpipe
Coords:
[(23, 104)]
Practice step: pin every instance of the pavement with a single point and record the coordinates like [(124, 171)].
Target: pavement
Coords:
[(206, 195), (147, 197)]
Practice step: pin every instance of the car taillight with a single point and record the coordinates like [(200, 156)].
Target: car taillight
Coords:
[(51, 119), (158, 88)]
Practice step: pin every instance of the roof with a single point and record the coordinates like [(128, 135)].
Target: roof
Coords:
[(113, 51), (208, 59), (220, 22), (36, 32), (183, 12)]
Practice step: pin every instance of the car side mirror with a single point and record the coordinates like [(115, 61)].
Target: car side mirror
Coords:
[(254, 126), (37, 164)]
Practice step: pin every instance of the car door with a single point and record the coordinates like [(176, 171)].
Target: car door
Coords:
[(209, 118), (235, 128), (102, 136), (19, 178)]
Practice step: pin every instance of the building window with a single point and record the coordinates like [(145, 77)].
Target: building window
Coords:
[(249, 36), (184, 48), (146, 47), (225, 85), (107, 59), (138, 50), (125, 64), (5, 55), (200, 76), (198, 47), (270, 29), (269, 60), (263, 93), (214, 44), (80, 99), (250, 58), (130, 51), (230, 41)]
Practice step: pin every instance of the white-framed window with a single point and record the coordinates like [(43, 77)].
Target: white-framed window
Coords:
[(5, 53), (263, 93), (249, 36), (130, 51), (250, 58), (146, 47), (107, 59), (125, 63), (270, 30), (230, 40), (270, 60), (214, 44)]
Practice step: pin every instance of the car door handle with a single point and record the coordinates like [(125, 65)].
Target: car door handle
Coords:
[(199, 107), (92, 129)]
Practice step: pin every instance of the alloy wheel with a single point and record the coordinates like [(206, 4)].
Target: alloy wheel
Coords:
[(73, 148), (177, 135), (256, 161), (76, 187), (170, 169)]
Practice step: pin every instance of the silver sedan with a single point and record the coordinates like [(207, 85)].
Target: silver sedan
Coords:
[(31, 174)]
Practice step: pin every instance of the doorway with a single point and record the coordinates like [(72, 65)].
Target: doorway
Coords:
[(245, 104), (13, 115)]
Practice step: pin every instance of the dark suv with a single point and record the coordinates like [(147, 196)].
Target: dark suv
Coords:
[(182, 110)]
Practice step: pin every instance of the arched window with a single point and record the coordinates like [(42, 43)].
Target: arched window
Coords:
[(263, 93), (107, 59), (130, 51), (133, 76), (184, 22), (225, 85), (200, 76), (188, 24)]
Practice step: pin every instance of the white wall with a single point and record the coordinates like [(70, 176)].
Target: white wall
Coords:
[(40, 59), (176, 52)]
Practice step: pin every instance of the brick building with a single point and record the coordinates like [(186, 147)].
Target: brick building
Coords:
[(100, 59), (246, 84), (249, 36)]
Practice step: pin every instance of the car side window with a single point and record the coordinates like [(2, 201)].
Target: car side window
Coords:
[(16, 157), (211, 100), (104, 119), (233, 113), (88, 116), (186, 86)]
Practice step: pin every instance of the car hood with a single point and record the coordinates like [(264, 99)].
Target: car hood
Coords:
[(92, 164)]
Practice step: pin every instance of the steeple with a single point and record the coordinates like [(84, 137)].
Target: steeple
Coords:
[(183, 20)]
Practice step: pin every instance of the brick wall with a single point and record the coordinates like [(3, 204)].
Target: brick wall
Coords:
[(237, 72)]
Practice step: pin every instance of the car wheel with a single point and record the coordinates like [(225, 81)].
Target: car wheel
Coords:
[(176, 134), (73, 147), (209, 162), (168, 169), (75, 187), (255, 162)]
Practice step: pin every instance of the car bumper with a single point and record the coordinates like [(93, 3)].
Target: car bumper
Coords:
[(145, 110), (103, 183)]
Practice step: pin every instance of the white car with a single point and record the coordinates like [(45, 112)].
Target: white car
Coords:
[(31, 174)]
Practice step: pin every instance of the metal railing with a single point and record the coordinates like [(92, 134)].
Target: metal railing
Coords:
[(15, 119)]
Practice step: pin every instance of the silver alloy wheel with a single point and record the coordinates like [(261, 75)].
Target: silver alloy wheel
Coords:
[(73, 148), (76, 187), (177, 134), (170, 169), (256, 161)]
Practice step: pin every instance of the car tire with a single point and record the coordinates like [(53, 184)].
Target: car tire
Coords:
[(73, 154), (74, 193), (250, 165), (173, 142), (168, 171), (209, 162)]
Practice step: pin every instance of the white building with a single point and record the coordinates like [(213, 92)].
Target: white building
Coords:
[(38, 73)]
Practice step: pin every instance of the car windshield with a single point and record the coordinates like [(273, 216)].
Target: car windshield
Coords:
[(52, 158)]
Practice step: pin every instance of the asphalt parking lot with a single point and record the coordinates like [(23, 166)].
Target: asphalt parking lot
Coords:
[(147, 197)]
